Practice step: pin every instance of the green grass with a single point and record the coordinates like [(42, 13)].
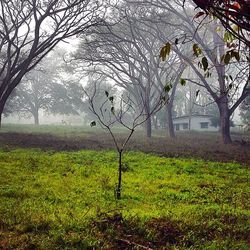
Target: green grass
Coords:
[(61, 131), (51, 200), (57, 130)]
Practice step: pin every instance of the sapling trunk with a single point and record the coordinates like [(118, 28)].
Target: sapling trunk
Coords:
[(119, 185), (126, 105)]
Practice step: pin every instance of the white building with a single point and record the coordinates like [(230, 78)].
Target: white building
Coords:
[(197, 122)]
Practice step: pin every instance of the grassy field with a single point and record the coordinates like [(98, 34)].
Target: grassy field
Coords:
[(65, 200), (56, 130), (199, 145)]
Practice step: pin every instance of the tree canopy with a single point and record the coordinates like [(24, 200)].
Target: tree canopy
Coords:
[(45, 89), (30, 29), (234, 15)]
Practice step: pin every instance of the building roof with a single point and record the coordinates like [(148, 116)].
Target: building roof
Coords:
[(194, 115)]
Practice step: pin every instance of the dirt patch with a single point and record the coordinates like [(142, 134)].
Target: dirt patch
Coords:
[(204, 146), (120, 233)]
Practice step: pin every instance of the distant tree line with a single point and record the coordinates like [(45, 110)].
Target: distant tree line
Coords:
[(141, 48), (29, 30), (45, 89)]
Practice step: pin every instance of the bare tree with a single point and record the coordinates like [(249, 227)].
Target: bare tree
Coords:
[(30, 29), (128, 53), (113, 112), (227, 84), (232, 83)]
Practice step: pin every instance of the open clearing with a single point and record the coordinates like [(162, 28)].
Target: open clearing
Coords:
[(53, 199), (201, 145)]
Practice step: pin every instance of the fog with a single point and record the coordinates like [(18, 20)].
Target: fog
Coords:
[(124, 124), (163, 64)]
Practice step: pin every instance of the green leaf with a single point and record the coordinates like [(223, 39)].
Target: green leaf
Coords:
[(168, 48), (200, 65), (222, 58), (228, 37), (227, 58), (168, 87), (182, 82), (163, 98), (197, 50), (106, 93), (165, 51), (207, 74), (92, 124), (218, 29), (111, 98), (236, 55), (235, 27), (204, 63)]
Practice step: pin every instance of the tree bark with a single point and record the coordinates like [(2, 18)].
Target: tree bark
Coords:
[(119, 185), (2, 103), (36, 117), (189, 121), (224, 122), (148, 127), (170, 125), (148, 123)]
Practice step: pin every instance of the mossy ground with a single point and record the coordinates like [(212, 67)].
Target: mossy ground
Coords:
[(65, 200)]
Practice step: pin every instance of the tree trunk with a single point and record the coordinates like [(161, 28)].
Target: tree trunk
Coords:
[(189, 121), (225, 122), (36, 117), (148, 122), (1, 112), (119, 184), (148, 127), (170, 125)]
